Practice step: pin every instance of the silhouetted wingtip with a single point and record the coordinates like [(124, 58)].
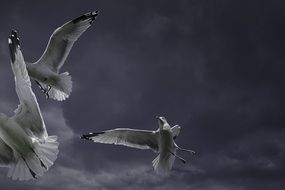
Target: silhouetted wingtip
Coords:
[(90, 15), (84, 137), (16, 38), (13, 42), (95, 13), (88, 136)]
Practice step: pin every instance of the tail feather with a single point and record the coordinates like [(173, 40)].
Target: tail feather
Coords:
[(23, 171), (57, 94), (163, 163), (48, 151), (62, 89), (36, 162), (155, 163), (20, 171), (65, 83)]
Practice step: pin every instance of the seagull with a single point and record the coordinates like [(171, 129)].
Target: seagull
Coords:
[(45, 71), (160, 141), (25, 147)]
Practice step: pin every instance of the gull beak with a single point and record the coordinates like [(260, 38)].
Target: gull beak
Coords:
[(159, 118), (160, 121)]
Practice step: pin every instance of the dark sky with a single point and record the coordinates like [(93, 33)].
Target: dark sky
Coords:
[(216, 68)]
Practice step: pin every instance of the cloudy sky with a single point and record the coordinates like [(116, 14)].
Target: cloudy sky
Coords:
[(216, 68)]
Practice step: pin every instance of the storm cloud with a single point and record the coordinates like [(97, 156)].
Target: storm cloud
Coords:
[(216, 68)]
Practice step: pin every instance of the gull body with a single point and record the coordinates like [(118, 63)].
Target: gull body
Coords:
[(164, 161), (25, 147), (160, 141), (13, 135), (45, 71)]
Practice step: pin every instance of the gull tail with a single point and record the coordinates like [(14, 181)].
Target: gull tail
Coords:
[(36, 162), (62, 89), (163, 163), (65, 83)]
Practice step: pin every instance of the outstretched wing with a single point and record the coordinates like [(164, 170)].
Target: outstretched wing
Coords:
[(141, 139), (62, 40), (28, 113), (6, 154)]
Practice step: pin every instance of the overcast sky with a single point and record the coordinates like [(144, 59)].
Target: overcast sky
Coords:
[(216, 68)]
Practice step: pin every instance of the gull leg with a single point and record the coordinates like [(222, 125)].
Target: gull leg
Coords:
[(183, 149), (48, 88), (47, 95), (41, 87), (180, 158), (186, 150), (47, 91)]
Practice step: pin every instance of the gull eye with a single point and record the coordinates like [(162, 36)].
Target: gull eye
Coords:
[(45, 79)]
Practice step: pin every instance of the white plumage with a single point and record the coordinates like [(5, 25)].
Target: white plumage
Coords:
[(160, 141), (25, 147), (45, 71)]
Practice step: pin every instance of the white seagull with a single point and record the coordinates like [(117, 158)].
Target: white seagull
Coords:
[(45, 71), (25, 147), (160, 141)]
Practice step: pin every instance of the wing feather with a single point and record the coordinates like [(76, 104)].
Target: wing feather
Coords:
[(28, 112), (62, 40), (141, 139)]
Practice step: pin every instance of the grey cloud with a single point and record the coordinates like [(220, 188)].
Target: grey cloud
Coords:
[(118, 176), (56, 124), (154, 25), (215, 68), (3, 48)]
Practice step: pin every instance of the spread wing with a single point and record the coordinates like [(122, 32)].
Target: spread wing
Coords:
[(28, 113), (62, 40), (6, 154), (141, 139)]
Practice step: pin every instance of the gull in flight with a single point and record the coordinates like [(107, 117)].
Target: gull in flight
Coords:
[(25, 147), (160, 141), (45, 71)]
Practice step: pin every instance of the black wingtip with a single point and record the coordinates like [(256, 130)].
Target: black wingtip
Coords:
[(84, 137), (88, 136), (15, 34), (90, 15), (13, 42), (95, 13)]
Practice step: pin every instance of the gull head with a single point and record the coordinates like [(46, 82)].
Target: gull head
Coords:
[(161, 121)]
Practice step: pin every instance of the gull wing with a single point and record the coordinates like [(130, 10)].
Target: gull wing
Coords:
[(175, 130), (141, 139), (6, 154), (28, 113), (62, 40)]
